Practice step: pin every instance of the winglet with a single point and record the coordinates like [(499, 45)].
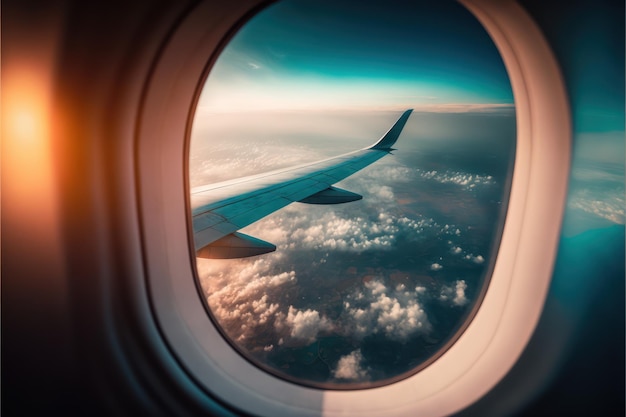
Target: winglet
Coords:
[(386, 142)]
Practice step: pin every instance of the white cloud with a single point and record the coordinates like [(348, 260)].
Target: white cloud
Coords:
[(462, 179), (436, 267), (308, 227), (459, 293), (457, 250), (478, 259), (608, 207), (454, 294), (362, 228), (386, 173), (376, 181), (302, 325), (245, 297), (398, 315), (351, 367), (221, 160), (384, 193), (242, 294)]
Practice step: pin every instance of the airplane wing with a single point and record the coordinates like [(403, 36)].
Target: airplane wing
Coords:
[(220, 209)]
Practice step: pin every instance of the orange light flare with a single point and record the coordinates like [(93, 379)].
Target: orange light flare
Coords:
[(26, 163), (31, 218), (24, 124)]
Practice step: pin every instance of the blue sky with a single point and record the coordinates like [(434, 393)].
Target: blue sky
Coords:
[(305, 54)]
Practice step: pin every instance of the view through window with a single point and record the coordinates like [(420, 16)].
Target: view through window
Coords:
[(361, 293)]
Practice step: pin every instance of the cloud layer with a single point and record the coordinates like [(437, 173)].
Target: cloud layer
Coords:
[(389, 268), (610, 206)]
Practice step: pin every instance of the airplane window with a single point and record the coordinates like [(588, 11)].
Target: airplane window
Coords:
[(303, 277)]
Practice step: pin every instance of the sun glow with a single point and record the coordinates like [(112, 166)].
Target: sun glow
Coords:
[(26, 132)]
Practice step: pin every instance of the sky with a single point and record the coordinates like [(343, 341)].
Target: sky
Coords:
[(305, 54)]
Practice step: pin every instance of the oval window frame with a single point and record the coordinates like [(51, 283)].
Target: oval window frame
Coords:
[(503, 324)]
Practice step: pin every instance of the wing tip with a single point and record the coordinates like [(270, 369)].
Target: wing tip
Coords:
[(389, 139)]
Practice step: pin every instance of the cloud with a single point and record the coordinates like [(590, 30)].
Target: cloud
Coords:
[(476, 259), (608, 207), (245, 297), (384, 193), (454, 294), (355, 229), (457, 250), (308, 227), (249, 297), (220, 160), (597, 181), (396, 313), (377, 181), (436, 267), (302, 325), (387, 174), (243, 294), (462, 179), (351, 367)]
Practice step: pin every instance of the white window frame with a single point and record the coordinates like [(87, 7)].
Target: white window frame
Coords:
[(509, 312)]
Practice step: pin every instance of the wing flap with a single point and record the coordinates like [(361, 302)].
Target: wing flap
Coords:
[(332, 195), (204, 220), (211, 234)]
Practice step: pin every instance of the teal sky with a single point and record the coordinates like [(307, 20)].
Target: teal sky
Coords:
[(303, 54)]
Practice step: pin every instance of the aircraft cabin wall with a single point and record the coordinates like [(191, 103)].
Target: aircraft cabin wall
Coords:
[(78, 334)]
